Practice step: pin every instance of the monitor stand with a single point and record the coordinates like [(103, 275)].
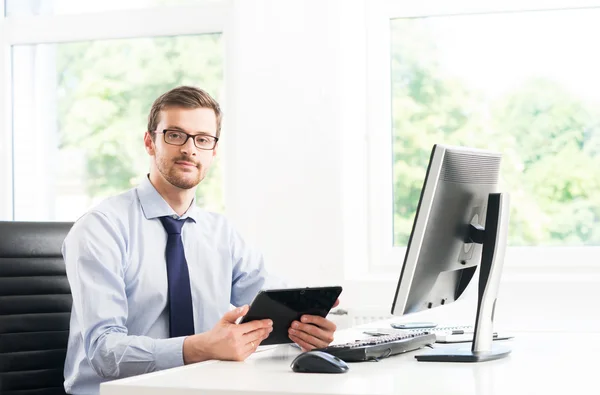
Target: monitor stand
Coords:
[(493, 238)]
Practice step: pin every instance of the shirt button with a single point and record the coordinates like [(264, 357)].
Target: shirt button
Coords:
[(174, 216)]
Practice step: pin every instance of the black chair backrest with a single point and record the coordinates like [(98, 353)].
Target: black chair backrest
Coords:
[(35, 308)]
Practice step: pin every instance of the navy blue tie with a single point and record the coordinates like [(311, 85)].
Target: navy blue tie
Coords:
[(181, 315)]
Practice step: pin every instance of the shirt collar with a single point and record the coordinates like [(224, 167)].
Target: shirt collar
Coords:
[(154, 206)]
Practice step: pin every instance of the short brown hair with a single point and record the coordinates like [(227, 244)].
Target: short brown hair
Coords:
[(186, 97)]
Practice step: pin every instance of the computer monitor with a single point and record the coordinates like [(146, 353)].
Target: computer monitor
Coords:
[(461, 223)]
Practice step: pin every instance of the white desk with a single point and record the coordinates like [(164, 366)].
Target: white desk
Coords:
[(546, 363)]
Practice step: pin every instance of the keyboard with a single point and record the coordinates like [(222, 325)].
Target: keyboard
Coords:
[(378, 347), (457, 334), (446, 330)]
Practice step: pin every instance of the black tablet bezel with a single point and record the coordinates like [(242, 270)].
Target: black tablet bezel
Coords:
[(282, 316)]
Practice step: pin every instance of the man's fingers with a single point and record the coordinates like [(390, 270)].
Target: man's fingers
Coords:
[(304, 345), (233, 315), (308, 338), (252, 346), (253, 340), (313, 330), (337, 302), (319, 321), (245, 351), (256, 336), (251, 326)]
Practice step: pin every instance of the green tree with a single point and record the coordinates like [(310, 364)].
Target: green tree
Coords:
[(555, 164), (105, 91), (427, 108), (549, 138)]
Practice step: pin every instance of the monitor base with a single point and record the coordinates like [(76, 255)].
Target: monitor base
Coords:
[(463, 354)]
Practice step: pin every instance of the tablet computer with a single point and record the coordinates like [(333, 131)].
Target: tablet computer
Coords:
[(283, 306)]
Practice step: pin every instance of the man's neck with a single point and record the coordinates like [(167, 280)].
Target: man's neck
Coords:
[(179, 199)]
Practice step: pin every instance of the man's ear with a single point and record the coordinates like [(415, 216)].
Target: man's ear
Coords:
[(215, 150), (149, 144)]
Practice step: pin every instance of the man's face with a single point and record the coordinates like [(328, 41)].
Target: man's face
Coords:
[(186, 165)]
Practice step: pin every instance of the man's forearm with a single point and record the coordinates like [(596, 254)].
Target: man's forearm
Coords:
[(117, 355)]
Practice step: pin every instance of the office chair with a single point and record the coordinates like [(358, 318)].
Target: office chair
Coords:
[(35, 308)]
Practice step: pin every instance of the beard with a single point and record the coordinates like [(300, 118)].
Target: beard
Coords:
[(178, 177)]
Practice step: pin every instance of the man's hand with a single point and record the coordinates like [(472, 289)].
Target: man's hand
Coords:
[(227, 340), (312, 332)]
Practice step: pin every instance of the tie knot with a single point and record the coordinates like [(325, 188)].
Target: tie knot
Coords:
[(172, 226)]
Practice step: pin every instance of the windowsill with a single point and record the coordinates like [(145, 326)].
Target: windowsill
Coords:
[(535, 295), (572, 263), (534, 273), (526, 302)]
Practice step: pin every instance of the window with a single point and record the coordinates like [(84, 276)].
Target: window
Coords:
[(530, 93), (66, 7), (80, 95), (80, 113)]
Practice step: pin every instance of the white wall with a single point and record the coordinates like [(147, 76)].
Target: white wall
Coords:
[(294, 131), (5, 124), (294, 146)]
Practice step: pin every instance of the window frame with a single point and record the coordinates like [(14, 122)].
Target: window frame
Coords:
[(156, 21), (521, 263)]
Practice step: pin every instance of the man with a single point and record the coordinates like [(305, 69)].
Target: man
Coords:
[(153, 276)]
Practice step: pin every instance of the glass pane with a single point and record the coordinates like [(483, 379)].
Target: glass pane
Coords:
[(80, 113), (62, 7), (495, 82)]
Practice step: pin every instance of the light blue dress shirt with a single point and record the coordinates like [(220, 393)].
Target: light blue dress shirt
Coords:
[(115, 259)]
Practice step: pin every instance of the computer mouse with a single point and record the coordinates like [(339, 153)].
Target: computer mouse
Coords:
[(318, 362)]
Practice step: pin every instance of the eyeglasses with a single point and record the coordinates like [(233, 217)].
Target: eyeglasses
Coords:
[(201, 141)]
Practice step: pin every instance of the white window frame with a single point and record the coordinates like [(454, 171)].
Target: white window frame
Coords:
[(149, 22), (521, 263)]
